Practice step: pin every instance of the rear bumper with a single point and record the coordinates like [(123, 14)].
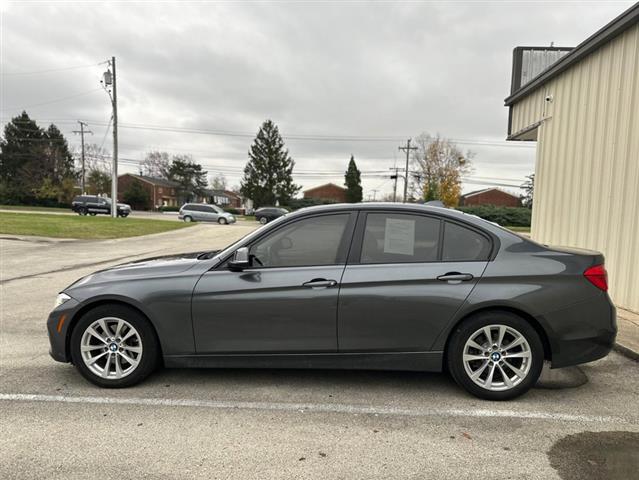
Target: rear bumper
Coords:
[(581, 333)]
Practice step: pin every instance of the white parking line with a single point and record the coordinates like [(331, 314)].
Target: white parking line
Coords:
[(315, 408)]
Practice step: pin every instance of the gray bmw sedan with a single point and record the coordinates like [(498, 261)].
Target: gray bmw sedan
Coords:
[(358, 286)]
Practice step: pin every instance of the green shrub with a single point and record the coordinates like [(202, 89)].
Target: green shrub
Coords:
[(232, 211), (505, 216), (169, 209)]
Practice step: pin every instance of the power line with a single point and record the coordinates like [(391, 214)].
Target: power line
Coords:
[(50, 70), (61, 99), (308, 137)]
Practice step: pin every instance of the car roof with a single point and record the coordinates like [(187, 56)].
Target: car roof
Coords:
[(404, 208)]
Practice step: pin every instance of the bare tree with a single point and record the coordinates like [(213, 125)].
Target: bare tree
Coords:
[(218, 182), (156, 164), (439, 165)]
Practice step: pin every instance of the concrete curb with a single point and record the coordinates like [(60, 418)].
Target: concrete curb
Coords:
[(626, 352)]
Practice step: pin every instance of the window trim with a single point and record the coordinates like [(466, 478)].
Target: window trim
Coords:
[(342, 250), (354, 257)]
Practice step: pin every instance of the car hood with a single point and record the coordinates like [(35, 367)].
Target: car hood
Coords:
[(145, 268)]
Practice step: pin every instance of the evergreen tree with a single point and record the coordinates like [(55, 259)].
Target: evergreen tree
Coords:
[(189, 175), (137, 196), (353, 183), (268, 175), (36, 165)]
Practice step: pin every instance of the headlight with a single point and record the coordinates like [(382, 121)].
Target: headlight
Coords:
[(61, 298)]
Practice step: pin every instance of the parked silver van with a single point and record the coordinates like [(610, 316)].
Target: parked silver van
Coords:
[(204, 212)]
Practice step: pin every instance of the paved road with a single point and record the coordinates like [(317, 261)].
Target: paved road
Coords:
[(281, 423)]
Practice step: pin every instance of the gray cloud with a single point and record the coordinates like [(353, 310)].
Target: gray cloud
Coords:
[(362, 69)]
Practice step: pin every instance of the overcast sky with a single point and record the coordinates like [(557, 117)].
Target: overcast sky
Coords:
[(386, 71)]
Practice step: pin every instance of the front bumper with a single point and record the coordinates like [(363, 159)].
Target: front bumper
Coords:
[(58, 325), (581, 333)]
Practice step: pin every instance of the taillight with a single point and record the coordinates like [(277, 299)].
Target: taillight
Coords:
[(598, 276)]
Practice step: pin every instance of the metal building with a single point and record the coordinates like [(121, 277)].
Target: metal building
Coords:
[(583, 112)]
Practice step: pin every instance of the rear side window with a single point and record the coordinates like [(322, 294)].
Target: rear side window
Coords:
[(400, 238), (462, 244)]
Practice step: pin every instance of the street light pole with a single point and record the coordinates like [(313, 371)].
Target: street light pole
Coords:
[(114, 173)]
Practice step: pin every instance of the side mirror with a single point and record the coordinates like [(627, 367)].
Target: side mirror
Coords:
[(240, 260)]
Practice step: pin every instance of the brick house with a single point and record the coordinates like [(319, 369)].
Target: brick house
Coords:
[(490, 196), (163, 193), (328, 191), (236, 201)]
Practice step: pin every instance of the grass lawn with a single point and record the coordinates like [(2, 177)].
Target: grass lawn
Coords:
[(64, 226), (35, 209)]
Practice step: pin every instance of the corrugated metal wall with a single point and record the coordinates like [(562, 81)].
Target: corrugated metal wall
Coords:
[(587, 171)]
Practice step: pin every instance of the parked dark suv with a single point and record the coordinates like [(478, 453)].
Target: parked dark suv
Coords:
[(266, 214), (370, 286), (93, 205)]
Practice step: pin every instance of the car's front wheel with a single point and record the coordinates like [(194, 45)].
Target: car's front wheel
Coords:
[(222, 221), (263, 220), (114, 346), (495, 355)]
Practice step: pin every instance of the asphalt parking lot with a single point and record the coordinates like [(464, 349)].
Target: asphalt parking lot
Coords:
[(281, 423)]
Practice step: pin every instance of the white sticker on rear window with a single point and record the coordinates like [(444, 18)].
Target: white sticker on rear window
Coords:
[(399, 236)]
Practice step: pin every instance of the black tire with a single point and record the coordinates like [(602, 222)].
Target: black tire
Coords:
[(124, 215), (93, 214), (150, 353), (187, 219), (472, 324), (263, 220), (222, 221), (82, 211)]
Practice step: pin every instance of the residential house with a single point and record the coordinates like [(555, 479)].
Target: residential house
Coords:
[(328, 191), (163, 193), (490, 196)]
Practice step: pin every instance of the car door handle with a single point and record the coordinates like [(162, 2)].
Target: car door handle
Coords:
[(319, 283), (455, 277)]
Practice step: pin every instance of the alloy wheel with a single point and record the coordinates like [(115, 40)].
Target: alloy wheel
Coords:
[(111, 348), (497, 357)]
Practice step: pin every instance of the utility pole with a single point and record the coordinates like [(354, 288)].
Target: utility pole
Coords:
[(109, 80), (82, 132), (394, 176), (375, 193), (114, 176), (407, 149)]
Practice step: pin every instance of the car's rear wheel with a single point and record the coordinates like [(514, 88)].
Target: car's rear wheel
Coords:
[(188, 219), (495, 355), (82, 211), (114, 346), (222, 221), (263, 220)]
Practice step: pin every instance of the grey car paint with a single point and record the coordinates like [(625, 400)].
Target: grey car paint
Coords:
[(544, 285)]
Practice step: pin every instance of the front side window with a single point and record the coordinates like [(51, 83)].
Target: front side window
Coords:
[(462, 244), (400, 238), (312, 241)]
